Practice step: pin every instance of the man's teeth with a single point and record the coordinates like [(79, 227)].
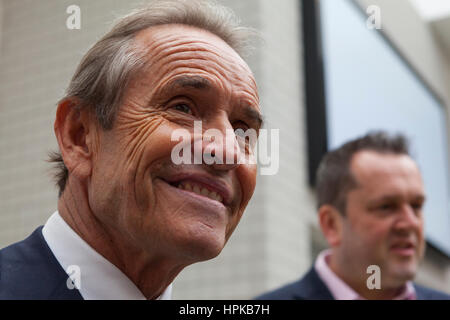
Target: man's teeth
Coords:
[(200, 190)]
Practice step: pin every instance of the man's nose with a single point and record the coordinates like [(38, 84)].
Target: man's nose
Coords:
[(220, 148), (408, 218)]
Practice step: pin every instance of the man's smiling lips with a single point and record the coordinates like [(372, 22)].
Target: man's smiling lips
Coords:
[(204, 185)]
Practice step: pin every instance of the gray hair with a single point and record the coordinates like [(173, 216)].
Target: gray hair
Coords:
[(334, 176), (108, 67)]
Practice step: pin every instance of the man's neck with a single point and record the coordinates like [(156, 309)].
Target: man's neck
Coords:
[(356, 279), (149, 272)]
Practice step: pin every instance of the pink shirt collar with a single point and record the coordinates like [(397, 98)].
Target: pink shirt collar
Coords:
[(341, 291)]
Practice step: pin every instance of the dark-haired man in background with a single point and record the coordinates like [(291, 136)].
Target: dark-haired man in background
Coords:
[(370, 199)]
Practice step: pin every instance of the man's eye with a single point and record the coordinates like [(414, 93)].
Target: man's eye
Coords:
[(240, 128), (246, 137), (386, 207), (182, 107), (239, 132)]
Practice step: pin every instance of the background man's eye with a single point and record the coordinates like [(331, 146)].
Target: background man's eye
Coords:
[(387, 207), (182, 107)]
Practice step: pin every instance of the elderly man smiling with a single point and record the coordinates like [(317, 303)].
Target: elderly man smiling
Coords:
[(129, 219)]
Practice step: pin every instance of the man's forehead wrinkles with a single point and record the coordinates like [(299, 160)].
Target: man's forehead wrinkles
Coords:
[(168, 50), (168, 67), (161, 49), (199, 58), (175, 38), (185, 74), (206, 67), (166, 44)]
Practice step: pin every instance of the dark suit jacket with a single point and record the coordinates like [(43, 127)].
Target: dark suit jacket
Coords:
[(29, 270), (311, 287)]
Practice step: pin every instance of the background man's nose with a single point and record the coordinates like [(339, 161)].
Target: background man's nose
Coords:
[(408, 218)]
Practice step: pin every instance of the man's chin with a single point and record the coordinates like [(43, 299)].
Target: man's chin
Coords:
[(402, 272), (203, 243)]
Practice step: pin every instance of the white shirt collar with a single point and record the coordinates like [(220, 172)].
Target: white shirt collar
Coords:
[(99, 278)]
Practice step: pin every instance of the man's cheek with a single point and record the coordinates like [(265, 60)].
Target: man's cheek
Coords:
[(161, 144), (247, 182), (421, 248), (370, 239), (234, 221), (133, 132)]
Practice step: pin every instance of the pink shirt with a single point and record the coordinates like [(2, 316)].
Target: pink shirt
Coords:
[(341, 291)]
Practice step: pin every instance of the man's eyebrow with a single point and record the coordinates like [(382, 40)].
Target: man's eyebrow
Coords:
[(196, 82), (419, 197), (385, 198)]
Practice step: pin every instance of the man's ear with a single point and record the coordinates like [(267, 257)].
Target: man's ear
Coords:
[(71, 127), (331, 223)]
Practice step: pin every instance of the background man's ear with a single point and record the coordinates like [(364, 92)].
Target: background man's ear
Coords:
[(331, 223), (71, 127)]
